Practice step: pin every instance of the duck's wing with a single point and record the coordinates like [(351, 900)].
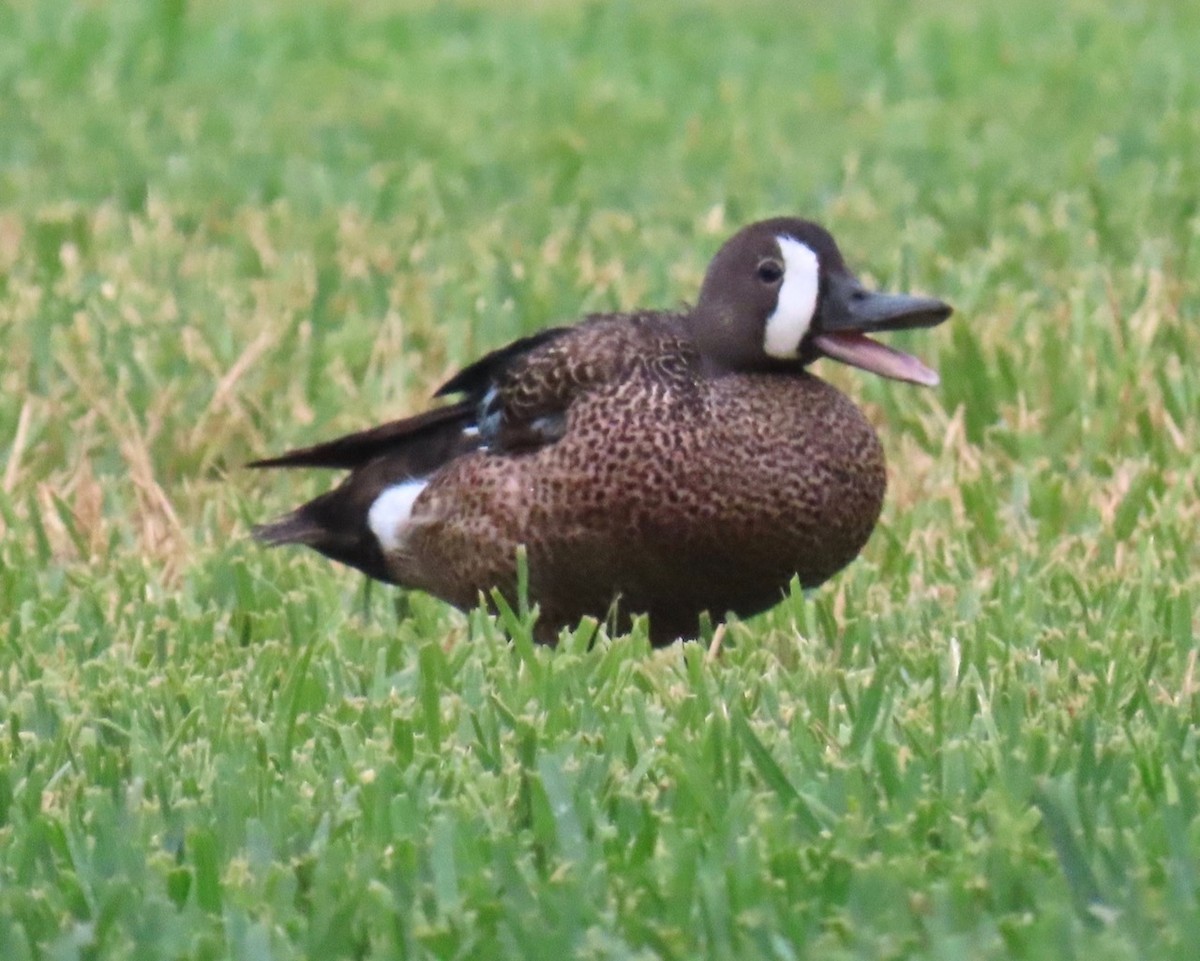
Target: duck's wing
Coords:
[(420, 444), (514, 398)]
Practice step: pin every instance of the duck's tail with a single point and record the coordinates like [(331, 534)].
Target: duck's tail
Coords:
[(342, 523)]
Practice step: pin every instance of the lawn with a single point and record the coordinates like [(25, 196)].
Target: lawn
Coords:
[(227, 228)]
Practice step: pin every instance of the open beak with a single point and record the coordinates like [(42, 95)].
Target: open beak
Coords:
[(849, 312)]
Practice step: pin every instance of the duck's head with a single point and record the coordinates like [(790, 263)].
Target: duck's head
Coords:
[(778, 294)]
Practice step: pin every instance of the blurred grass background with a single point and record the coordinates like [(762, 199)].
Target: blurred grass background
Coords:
[(228, 228)]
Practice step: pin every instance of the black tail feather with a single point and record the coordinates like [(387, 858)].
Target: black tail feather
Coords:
[(293, 528)]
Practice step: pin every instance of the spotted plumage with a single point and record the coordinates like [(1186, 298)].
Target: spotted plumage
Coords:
[(666, 463)]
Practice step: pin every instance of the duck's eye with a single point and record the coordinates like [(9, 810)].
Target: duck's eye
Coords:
[(769, 271)]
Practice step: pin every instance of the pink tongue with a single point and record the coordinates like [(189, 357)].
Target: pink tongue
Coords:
[(860, 351)]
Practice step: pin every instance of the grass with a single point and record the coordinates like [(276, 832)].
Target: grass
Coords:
[(229, 228)]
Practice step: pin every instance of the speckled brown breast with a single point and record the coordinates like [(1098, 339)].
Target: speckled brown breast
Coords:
[(675, 499)]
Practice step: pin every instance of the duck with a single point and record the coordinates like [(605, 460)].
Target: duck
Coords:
[(675, 464)]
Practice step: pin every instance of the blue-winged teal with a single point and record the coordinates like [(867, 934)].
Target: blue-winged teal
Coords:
[(665, 462)]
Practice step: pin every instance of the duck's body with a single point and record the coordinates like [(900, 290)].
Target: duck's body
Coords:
[(663, 462)]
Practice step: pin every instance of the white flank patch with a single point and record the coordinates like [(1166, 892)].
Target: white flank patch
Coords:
[(797, 303), (391, 513)]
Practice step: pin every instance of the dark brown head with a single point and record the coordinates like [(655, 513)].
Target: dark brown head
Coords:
[(779, 294)]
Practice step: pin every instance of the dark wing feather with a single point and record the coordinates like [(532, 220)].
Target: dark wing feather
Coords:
[(420, 444), (426, 441)]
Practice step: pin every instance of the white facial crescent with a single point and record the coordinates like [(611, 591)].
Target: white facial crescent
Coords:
[(797, 302)]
